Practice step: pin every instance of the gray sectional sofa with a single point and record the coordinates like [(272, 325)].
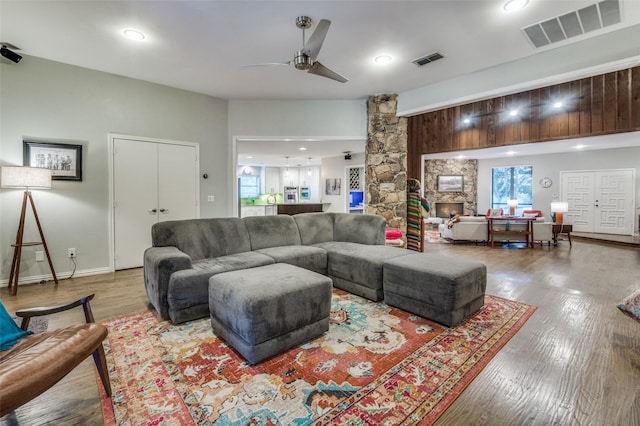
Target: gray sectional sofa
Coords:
[(347, 248)]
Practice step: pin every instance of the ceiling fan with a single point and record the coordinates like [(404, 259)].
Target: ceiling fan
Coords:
[(305, 58)]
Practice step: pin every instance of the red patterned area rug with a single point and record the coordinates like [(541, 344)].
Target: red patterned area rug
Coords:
[(375, 365)]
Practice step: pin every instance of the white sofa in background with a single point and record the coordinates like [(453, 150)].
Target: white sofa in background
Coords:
[(475, 228), (469, 228)]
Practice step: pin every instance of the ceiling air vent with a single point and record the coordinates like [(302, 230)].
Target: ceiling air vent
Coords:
[(582, 21), (429, 58)]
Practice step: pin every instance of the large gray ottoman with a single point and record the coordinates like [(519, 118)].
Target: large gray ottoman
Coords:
[(441, 288), (266, 310)]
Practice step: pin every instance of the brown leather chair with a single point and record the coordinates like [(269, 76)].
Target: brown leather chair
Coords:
[(39, 361)]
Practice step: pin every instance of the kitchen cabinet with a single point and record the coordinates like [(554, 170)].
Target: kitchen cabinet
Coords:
[(290, 176), (272, 180), (246, 211)]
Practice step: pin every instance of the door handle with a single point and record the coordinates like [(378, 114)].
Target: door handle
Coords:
[(153, 211), (164, 210)]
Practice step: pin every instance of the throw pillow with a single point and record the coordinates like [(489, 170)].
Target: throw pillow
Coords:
[(453, 220), (393, 234), (630, 305), (10, 333)]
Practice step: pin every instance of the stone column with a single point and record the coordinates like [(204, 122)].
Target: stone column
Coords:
[(386, 161)]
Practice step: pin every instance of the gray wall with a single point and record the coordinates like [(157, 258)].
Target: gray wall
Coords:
[(551, 165), (50, 100)]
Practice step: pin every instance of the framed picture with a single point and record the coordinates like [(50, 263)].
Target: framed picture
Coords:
[(64, 160), (332, 186), (450, 183)]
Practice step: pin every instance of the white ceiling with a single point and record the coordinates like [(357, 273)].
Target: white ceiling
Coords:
[(201, 45)]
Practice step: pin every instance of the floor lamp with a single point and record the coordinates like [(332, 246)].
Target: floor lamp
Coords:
[(27, 178)]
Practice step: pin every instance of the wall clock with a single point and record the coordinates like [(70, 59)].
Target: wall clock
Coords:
[(545, 182)]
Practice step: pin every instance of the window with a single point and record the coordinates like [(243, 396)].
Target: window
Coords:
[(512, 183), (249, 186)]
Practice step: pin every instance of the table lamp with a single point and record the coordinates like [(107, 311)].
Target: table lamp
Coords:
[(512, 206), (558, 208), (27, 178)]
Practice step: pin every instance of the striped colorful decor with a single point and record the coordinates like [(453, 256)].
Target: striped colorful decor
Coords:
[(415, 228)]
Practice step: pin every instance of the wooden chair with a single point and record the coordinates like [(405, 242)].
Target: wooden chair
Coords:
[(39, 361)]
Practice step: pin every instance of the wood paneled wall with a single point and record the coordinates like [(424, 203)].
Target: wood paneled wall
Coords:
[(598, 105)]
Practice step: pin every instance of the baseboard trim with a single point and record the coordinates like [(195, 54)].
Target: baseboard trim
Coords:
[(60, 275)]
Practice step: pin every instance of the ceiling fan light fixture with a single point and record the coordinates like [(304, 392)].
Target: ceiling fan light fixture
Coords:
[(302, 61)]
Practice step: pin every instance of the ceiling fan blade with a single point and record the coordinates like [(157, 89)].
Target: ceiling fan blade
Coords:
[(264, 64), (313, 45), (318, 69)]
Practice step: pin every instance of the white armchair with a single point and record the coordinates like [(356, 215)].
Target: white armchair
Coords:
[(542, 231)]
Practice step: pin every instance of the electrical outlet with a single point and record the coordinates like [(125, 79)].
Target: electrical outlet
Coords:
[(71, 252), (39, 256), (211, 198)]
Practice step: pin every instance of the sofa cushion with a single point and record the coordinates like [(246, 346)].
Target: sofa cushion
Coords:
[(315, 227), (272, 231), (360, 263), (203, 238), (189, 287), (359, 228), (473, 219), (307, 257)]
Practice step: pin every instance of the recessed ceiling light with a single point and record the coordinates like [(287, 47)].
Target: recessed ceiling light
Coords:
[(513, 112), (302, 148), (511, 153), (513, 5), (466, 120), (249, 156), (579, 146), (382, 59), (557, 104), (460, 157), (134, 35)]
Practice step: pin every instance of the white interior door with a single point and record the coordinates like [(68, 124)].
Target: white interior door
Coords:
[(600, 201), (152, 182), (177, 182), (135, 207)]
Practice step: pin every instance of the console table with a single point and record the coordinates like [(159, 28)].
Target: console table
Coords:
[(528, 232), (559, 228)]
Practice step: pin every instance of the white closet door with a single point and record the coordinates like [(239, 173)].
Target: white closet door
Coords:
[(135, 185), (177, 182), (152, 182)]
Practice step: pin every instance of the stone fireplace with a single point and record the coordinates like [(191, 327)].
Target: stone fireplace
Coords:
[(444, 210)]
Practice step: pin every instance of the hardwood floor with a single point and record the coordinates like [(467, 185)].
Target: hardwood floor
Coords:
[(575, 362)]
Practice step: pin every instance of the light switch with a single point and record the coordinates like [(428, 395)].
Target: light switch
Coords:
[(210, 198)]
